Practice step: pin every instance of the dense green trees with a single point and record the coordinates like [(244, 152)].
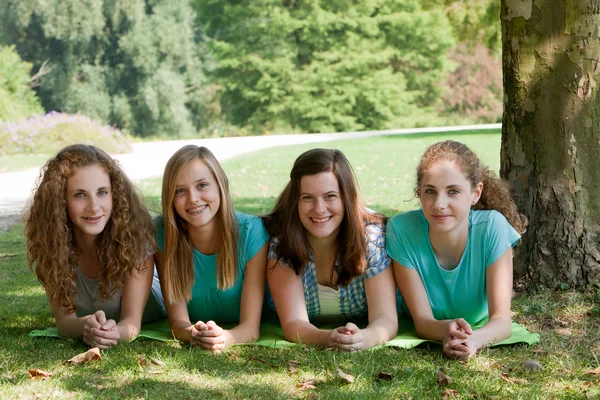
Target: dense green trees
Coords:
[(17, 100), (172, 67), (132, 63), (323, 65)]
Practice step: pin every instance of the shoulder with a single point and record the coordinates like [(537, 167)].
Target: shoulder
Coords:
[(248, 222), (487, 219), (408, 220), (158, 222)]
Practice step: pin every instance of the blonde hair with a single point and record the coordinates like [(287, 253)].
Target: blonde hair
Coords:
[(121, 247), (495, 194), (178, 275)]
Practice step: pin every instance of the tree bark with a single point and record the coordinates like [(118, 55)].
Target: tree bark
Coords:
[(551, 135)]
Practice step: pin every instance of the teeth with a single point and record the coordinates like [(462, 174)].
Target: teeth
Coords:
[(196, 210), (319, 220)]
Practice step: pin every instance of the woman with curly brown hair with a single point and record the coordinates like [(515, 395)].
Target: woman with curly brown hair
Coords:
[(453, 257), (327, 261), (90, 241)]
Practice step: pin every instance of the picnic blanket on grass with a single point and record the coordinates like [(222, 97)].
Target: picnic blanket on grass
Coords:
[(271, 334)]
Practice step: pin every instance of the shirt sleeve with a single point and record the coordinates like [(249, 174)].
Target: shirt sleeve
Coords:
[(255, 234), (395, 244), (377, 258), (500, 237), (273, 251)]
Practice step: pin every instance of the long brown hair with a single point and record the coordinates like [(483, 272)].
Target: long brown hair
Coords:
[(284, 221), (178, 276), (495, 194), (123, 245)]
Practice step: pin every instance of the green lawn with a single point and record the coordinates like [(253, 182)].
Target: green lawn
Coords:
[(568, 322)]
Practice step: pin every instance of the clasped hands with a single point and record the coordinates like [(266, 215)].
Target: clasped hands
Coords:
[(209, 336), (458, 339), (347, 338), (100, 332)]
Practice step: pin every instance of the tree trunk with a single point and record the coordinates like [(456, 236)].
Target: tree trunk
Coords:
[(551, 135)]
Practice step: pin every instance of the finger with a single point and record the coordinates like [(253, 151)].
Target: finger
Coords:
[(212, 340), (464, 325), (457, 332), (208, 333), (351, 327), (349, 339), (212, 325), (200, 326), (349, 348), (109, 325), (106, 335), (100, 316)]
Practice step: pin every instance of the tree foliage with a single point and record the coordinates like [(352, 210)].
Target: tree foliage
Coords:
[(318, 65), (132, 63), (17, 100)]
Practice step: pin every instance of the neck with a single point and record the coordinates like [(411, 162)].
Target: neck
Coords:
[(450, 246), (322, 245), (206, 239), (85, 244)]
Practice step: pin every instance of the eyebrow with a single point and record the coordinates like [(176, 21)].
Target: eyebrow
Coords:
[(196, 181), (85, 191), (330, 192), (454, 185)]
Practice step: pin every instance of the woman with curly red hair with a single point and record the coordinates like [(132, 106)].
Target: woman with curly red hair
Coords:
[(90, 241)]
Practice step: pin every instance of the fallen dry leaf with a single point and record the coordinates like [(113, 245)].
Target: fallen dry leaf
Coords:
[(383, 376), (442, 378), (448, 393), (292, 366), (309, 384), (39, 374), (509, 379), (90, 355), (594, 371), (347, 378), (151, 365)]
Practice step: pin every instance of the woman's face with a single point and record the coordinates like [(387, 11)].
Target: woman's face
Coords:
[(320, 205), (197, 195), (89, 200), (446, 197)]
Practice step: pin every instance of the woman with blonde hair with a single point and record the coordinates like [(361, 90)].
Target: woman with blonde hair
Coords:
[(327, 261), (211, 259), (453, 257), (89, 239)]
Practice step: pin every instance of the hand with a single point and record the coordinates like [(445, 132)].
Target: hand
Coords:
[(457, 341), (99, 332), (209, 336), (347, 338)]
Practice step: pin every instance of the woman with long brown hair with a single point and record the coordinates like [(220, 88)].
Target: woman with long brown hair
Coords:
[(327, 259), (89, 239)]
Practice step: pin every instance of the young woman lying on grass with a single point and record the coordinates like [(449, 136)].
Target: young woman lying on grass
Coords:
[(453, 257), (211, 259), (327, 259), (89, 239)]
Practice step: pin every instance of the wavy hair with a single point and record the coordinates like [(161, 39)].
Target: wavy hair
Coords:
[(121, 247), (495, 194), (284, 221), (179, 269)]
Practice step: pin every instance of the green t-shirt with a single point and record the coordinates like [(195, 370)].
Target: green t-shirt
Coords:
[(460, 292), (208, 301)]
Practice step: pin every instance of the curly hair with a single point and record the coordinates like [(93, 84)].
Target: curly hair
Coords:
[(179, 268), (284, 221), (124, 244), (495, 194)]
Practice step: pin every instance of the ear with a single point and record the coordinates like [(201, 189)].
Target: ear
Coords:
[(476, 192)]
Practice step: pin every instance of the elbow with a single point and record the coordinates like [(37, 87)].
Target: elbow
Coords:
[(290, 333)]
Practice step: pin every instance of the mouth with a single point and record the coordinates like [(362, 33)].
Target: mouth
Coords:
[(196, 210), (321, 220), (440, 217), (92, 220)]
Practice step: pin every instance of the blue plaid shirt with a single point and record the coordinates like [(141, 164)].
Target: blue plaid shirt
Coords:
[(353, 300)]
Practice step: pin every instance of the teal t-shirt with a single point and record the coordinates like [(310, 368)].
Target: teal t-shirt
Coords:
[(208, 301), (460, 292)]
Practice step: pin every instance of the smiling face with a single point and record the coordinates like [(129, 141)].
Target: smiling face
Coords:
[(320, 206), (446, 198), (89, 200), (197, 195)]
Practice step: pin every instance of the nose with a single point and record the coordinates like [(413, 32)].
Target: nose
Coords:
[(195, 196), (93, 204), (441, 202), (320, 206)]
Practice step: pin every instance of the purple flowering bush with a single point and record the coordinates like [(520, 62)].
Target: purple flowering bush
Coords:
[(51, 132)]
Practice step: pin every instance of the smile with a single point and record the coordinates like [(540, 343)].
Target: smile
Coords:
[(196, 210), (321, 220), (92, 220), (441, 217)]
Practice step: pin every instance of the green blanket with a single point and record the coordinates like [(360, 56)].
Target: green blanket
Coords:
[(271, 334)]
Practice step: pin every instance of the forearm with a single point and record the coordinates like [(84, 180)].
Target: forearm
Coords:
[(380, 331), (305, 332), (181, 330), (72, 326), (497, 329), (432, 329), (128, 329), (243, 333)]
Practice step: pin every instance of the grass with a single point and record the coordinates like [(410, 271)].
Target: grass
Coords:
[(568, 322), (19, 162)]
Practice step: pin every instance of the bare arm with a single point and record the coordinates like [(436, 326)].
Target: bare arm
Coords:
[(414, 294), (383, 317), (288, 295)]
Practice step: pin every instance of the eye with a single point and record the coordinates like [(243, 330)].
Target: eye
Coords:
[(453, 191), (429, 191), (102, 192), (331, 196), (306, 198), (202, 185), (179, 191), (79, 195)]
